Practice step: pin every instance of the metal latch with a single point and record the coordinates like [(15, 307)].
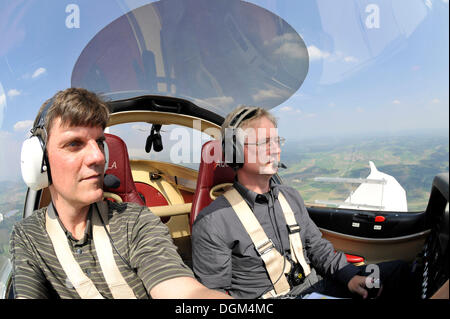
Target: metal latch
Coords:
[(292, 229), (265, 247)]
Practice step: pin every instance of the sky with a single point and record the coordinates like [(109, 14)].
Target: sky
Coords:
[(376, 66)]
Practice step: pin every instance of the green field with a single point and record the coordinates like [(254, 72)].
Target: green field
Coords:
[(12, 198), (413, 161)]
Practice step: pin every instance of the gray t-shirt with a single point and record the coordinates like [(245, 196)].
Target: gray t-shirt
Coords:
[(224, 257), (139, 235)]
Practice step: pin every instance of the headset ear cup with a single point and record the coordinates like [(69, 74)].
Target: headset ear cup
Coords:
[(224, 161), (239, 155), (233, 149), (234, 138), (228, 147), (238, 148), (31, 160)]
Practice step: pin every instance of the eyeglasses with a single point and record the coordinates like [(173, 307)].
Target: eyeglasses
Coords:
[(279, 141)]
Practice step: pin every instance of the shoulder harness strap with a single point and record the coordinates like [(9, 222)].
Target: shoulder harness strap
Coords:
[(116, 283), (294, 234), (272, 258), (82, 284)]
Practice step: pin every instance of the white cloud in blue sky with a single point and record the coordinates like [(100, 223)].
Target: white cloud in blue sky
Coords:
[(13, 93), (40, 71), (22, 126), (316, 54)]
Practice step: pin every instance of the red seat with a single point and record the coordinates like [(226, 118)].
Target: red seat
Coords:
[(211, 173), (119, 165)]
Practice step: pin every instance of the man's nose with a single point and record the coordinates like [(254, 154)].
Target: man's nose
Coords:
[(96, 154)]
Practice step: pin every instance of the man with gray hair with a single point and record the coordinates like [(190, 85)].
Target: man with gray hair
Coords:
[(257, 239)]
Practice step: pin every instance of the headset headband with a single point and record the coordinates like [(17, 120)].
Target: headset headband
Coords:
[(241, 116), (232, 158), (33, 159), (41, 122)]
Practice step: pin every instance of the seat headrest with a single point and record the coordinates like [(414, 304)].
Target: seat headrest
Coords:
[(212, 172)]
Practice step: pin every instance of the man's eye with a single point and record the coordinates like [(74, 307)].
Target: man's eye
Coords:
[(73, 144)]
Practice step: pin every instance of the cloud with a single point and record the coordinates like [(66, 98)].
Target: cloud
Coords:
[(141, 127), (273, 93), (13, 92), (286, 109), (286, 37), (396, 102), (316, 54), (290, 111), (220, 101), (359, 109), (22, 126), (292, 50), (289, 45), (216, 103), (435, 101), (39, 72)]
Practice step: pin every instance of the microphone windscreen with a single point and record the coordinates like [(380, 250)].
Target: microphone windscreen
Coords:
[(111, 181), (281, 165)]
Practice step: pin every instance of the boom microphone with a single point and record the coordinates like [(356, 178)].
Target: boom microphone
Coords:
[(111, 181), (276, 164), (281, 165)]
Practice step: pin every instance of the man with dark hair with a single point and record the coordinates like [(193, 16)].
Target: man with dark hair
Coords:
[(81, 246), (258, 241)]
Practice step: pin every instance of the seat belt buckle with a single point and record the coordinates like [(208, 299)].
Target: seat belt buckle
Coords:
[(292, 229), (265, 247)]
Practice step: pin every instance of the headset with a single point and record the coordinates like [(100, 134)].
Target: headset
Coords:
[(232, 141), (34, 162)]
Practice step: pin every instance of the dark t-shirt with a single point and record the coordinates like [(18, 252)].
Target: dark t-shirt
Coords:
[(224, 257)]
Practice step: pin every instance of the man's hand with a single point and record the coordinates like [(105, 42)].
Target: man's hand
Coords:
[(358, 285)]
